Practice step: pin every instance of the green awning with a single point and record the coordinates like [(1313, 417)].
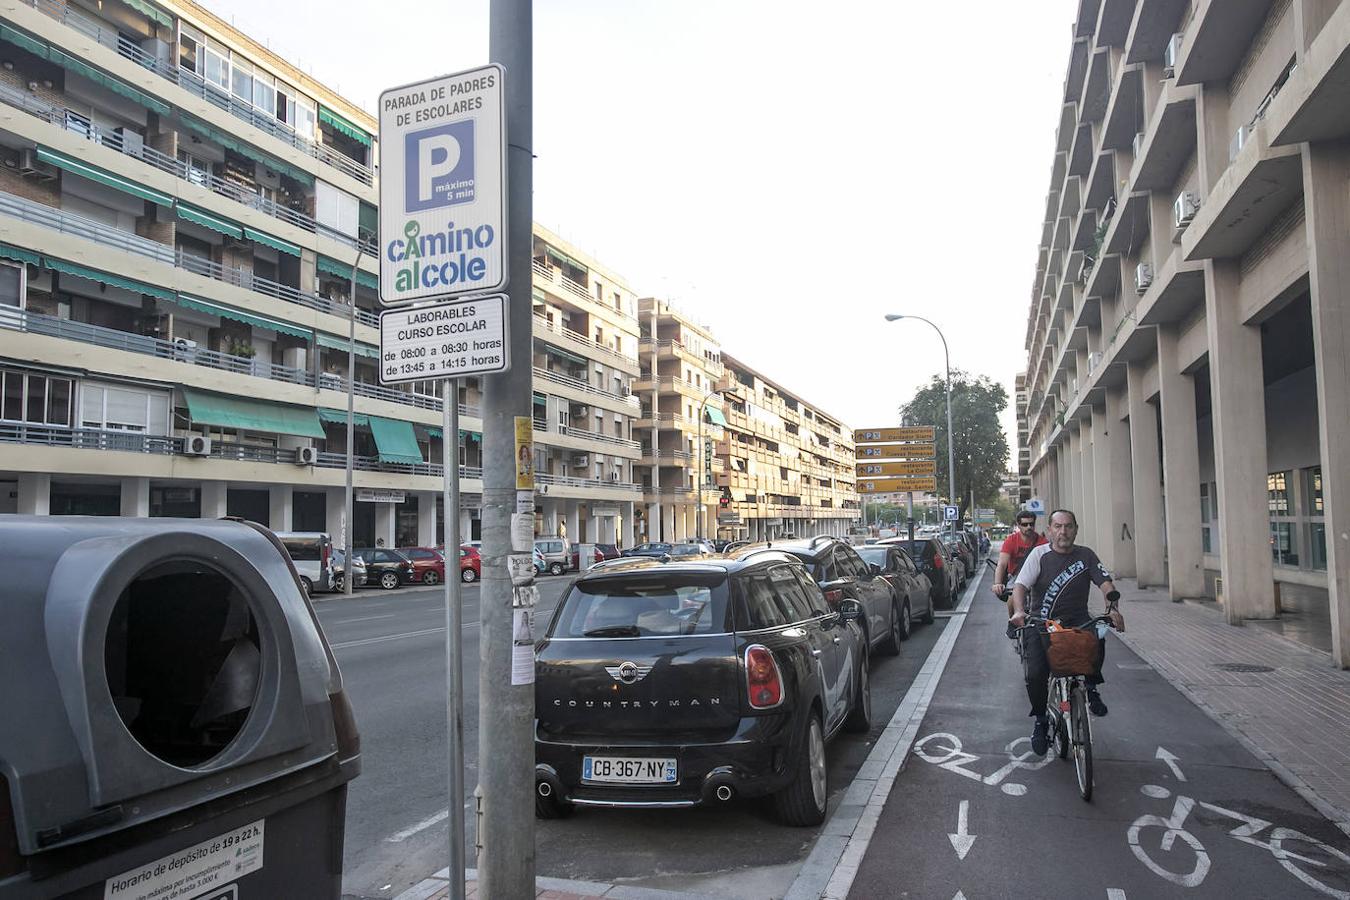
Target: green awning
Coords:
[(267, 240), (369, 351), (245, 149), (142, 7), (344, 271), (563, 354), (102, 176), (463, 435), (340, 124), (715, 416), (229, 312), (395, 441), (129, 284), (21, 255), (339, 417), (71, 64), (19, 39), (206, 220), (251, 415), (563, 259)]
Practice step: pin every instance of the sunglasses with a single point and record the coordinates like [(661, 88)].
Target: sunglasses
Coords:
[(1026, 524)]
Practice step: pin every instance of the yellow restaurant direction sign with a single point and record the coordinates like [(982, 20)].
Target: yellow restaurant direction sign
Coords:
[(897, 467), (890, 435), (896, 485), (897, 451)]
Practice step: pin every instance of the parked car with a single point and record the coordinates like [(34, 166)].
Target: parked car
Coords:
[(556, 553), (958, 547), (428, 564), (910, 587), (312, 554), (340, 569), (387, 568), (930, 558), (841, 573), (602, 553), (752, 673), (540, 564), (470, 564), (655, 550)]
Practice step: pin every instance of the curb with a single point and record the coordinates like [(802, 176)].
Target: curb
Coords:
[(838, 853), (431, 887)]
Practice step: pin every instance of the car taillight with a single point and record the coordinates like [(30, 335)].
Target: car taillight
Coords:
[(763, 681), (325, 556), (937, 560), (833, 597)]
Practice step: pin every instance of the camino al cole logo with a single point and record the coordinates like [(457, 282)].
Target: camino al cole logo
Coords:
[(439, 166)]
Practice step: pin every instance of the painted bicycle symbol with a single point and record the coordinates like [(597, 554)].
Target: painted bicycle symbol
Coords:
[(945, 751), (1306, 858)]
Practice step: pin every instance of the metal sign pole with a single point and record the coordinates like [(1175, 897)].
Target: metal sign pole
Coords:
[(454, 631)]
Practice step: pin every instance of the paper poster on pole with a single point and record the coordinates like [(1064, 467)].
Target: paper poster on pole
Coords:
[(522, 646), (524, 453)]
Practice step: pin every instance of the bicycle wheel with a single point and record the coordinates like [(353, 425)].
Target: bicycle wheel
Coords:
[(1303, 856), (1081, 729)]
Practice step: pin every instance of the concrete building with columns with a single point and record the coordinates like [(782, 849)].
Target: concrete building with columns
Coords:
[(1186, 390), (180, 214)]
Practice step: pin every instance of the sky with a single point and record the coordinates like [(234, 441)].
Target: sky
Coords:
[(785, 172)]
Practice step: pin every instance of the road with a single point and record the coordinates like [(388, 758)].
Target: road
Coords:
[(1162, 768), (391, 651)]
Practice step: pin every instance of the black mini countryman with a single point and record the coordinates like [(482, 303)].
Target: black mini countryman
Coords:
[(669, 684)]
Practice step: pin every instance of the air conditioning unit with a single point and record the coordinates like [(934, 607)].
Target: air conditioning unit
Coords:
[(1143, 277), (1187, 205), (1240, 139), (1172, 54), (1094, 360), (581, 461), (32, 167), (306, 456), (1138, 145), (197, 445)]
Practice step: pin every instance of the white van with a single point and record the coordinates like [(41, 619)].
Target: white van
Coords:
[(312, 553)]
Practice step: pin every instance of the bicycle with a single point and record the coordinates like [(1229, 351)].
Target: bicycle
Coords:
[(1070, 722)]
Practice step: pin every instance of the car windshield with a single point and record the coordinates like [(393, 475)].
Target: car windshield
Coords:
[(686, 550), (875, 556), (648, 606), (303, 551)]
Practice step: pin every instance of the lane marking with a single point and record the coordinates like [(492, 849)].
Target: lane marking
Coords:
[(831, 867), (963, 840), (365, 642), (1115, 894), (400, 836), (1171, 759), (362, 619)]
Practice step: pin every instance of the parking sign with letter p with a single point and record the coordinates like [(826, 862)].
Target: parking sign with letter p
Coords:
[(439, 166)]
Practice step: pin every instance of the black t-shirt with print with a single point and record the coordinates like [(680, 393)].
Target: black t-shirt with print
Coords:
[(1061, 583)]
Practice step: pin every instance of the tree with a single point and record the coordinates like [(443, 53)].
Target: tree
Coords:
[(981, 449)]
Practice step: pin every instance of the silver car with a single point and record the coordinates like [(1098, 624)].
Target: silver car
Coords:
[(340, 569)]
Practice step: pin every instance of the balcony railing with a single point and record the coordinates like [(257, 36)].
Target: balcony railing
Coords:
[(544, 323), (579, 385), (569, 481), (109, 236), (588, 435), (247, 112), (78, 124)]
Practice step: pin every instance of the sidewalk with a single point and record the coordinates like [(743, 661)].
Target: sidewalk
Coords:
[(437, 887), (1280, 698)]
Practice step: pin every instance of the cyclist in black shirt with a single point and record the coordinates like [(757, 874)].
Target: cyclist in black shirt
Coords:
[(1060, 575)]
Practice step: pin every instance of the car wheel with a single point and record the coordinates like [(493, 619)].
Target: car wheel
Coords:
[(890, 645), (307, 585), (906, 622), (338, 584), (555, 568), (388, 581), (802, 802), (467, 575), (859, 719), (431, 577), (928, 617), (552, 807)]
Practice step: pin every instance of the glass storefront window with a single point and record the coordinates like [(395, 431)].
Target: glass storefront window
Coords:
[(1277, 493), (1317, 546), (1284, 543)]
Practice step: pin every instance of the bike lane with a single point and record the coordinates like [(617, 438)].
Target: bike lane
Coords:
[(1180, 809)]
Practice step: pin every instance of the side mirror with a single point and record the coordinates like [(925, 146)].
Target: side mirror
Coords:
[(850, 610), (875, 569)]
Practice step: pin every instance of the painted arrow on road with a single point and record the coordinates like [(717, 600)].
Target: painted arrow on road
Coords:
[(1171, 759), (963, 840)]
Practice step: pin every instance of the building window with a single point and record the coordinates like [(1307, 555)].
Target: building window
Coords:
[(1317, 528), (12, 279), (35, 399), (1209, 517), (1283, 526)]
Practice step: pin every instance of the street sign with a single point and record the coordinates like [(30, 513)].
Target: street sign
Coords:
[(897, 451), (891, 435), (898, 467), (443, 187), (951, 513), (1034, 505), (444, 340), (896, 485)]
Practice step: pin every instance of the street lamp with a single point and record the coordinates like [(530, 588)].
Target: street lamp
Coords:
[(698, 525), (951, 456)]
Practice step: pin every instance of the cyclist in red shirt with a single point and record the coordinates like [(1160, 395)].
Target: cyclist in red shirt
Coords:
[(1015, 550)]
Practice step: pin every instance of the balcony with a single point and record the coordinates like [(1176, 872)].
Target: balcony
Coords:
[(1126, 111), (108, 37), (1170, 139), (1154, 24), (1218, 38), (108, 236), (1261, 184), (582, 434), (558, 334), (75, 123), (577, 384), (676, 350), (1312, 106)]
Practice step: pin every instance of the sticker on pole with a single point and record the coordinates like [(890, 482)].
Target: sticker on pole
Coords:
[(444, 340), (194, 870), (443, 187)]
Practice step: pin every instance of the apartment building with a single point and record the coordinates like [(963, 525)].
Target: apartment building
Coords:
[(788, 466), (1186, 388), (186, 232)]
